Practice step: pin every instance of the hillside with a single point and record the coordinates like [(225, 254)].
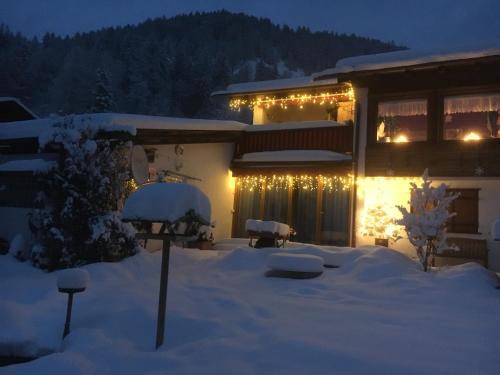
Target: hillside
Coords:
[(164, 66)]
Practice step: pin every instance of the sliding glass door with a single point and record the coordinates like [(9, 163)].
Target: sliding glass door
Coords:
[(319, 213)]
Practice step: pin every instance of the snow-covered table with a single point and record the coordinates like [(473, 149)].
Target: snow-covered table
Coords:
[(269, 233)]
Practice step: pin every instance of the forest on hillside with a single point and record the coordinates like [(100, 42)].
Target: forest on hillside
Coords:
[(164, 66)]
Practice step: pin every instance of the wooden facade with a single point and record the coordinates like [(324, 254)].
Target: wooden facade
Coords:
[(332, 138), (433, 82)]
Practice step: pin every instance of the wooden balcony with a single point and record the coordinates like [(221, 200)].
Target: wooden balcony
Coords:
[(331, 138)]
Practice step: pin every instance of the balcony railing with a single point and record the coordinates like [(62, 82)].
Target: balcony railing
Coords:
[(332, 138)]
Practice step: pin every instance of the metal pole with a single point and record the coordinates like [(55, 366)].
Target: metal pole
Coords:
[(162, 305), (68, 315)]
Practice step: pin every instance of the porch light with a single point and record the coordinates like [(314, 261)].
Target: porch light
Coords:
[(472, 136), (401, 139)]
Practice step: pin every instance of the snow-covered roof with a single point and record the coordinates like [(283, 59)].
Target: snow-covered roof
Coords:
[(293, 156), (115, 122), (411, 57), (292, 125), (274, 85), (14, 107)]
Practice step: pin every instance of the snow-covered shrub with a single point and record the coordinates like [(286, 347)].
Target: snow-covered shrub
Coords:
[(18, 247), (76, 219), (425, 222)]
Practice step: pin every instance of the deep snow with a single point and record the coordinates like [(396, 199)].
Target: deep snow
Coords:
[(377, 313)]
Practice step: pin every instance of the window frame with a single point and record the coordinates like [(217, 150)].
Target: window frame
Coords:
[(372, 120), (291, 209), (463, 91)]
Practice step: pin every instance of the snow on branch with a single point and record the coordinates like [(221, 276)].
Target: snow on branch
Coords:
[(425, 222)]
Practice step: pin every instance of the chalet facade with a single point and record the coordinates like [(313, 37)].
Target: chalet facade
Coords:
[(406, 112)]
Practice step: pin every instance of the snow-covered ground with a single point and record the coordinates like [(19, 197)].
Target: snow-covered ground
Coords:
[(377, 314)]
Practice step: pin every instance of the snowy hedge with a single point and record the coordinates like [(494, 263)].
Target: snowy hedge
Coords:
[(77, 220)]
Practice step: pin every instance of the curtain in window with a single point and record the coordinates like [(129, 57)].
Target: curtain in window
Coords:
[(305, 214), (413, 107), (248, 208), (472, 103), (335, 213), (276, 205)]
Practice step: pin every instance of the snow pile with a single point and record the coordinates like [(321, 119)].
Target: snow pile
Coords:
[(29, 165), (295, 262), (166, 202), (267, 226), (377, 314), (293, 155), (72, 278), (495, 230)]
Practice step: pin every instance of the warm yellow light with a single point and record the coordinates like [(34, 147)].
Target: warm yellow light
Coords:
[(401, 139), (378, 199), (298, 99), (286, 182), (472, 137)]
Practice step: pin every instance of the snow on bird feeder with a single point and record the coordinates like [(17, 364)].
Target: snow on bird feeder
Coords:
[(71, 281), (181, 209)]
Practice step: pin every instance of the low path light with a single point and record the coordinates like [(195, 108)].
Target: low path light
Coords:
[(71, 281)]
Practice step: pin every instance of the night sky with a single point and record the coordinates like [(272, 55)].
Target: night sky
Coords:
[(417, 24)]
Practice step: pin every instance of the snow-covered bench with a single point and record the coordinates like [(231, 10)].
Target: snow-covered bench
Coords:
[(268, 233)]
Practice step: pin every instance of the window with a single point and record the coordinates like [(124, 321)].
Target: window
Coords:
[(319, 215), (471, 117), (247, 207), (402, 121), (467, 211)]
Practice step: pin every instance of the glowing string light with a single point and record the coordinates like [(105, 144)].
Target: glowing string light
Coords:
[(287, 182), (236, 104)]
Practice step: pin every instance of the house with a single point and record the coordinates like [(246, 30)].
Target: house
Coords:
[(326, 151), (294, 165), (396, 114), (197, 151)]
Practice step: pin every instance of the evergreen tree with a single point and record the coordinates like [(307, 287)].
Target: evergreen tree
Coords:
[(77, 219), (103, 98)]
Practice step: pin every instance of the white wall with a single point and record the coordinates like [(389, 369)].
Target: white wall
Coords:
[(209, 162)]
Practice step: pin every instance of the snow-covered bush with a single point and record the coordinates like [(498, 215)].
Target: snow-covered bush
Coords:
[(18, 247), (77, 220), (425, 222)]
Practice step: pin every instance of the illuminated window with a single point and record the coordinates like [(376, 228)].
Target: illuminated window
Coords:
[(402, 121), (471, 117)]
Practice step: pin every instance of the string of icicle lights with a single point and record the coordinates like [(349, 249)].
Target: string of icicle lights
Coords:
[(325, 98), (286, 182)]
